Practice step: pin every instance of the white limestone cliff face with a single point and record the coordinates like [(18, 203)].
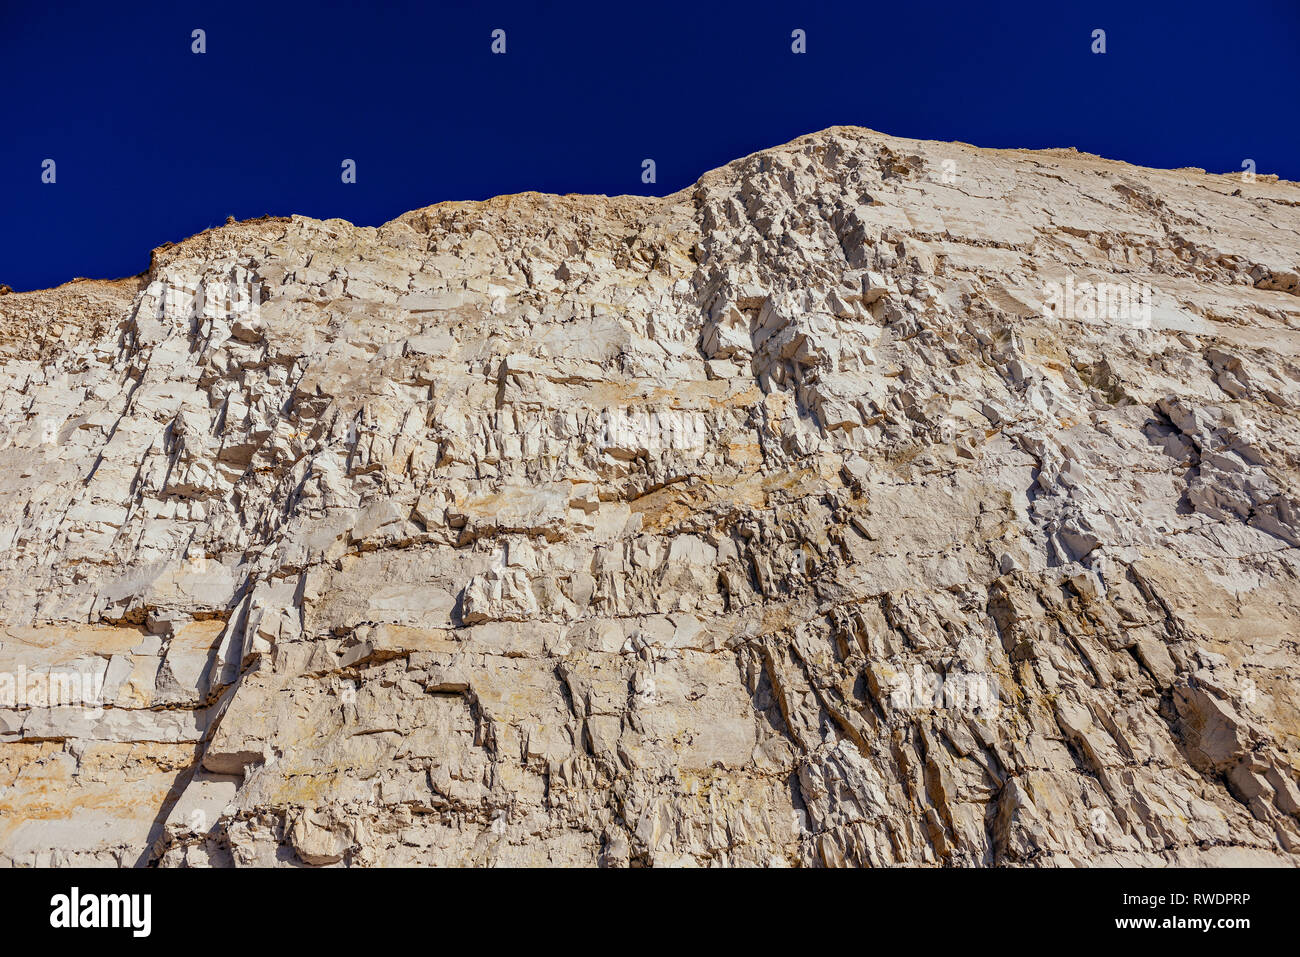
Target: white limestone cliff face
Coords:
[(837, 510)]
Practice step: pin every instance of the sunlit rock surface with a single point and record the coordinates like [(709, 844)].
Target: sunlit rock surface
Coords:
[(871, 502)]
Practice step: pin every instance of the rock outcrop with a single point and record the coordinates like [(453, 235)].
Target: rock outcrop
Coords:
[(871, 502)]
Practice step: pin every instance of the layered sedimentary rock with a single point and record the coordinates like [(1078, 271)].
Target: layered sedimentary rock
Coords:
[(871, 502)]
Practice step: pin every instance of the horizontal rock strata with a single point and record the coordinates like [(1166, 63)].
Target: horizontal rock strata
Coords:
[(871, 502)]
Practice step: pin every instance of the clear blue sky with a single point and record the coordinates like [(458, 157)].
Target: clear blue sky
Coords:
[(154, 143)]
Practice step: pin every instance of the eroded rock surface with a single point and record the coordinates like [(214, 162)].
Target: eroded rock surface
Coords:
[(824, 513)]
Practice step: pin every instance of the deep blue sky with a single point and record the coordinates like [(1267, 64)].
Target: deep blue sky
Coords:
[(154, 143)]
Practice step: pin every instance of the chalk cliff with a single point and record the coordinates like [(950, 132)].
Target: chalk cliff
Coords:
[(870, 502)]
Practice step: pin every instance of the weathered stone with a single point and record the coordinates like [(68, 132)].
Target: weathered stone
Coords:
[(872, 502)]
